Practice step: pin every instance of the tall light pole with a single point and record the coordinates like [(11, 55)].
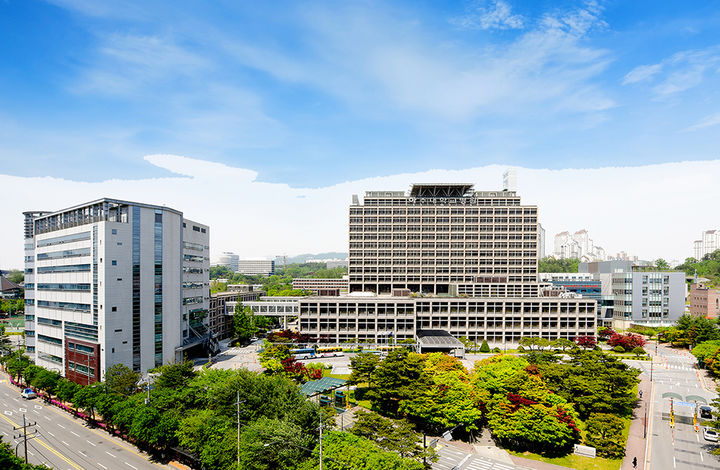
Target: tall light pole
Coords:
[(320, 439)]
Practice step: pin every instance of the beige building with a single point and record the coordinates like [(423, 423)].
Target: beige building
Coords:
[(444, 257), (314, 285)]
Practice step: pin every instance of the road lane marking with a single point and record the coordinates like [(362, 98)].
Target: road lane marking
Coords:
[(674, 464), (702, 459), (36, 411), (103, 466), (73, 464), (131, 466), (47, 418), (61, 425), (65, 443), (53, 435), (92, 444), (78, 435), (30, 452), (111, 455)]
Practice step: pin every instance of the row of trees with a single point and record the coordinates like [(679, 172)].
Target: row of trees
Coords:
[(708, 266), (198, 411), (537, 402), (280, 283), (12, 305)]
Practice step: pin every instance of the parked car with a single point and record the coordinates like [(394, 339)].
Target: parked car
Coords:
[(28, 394), (706, 412), (710, 435)]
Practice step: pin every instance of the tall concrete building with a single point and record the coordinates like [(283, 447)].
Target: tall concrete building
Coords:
[(113, 282), (444, 257), (709, 242)]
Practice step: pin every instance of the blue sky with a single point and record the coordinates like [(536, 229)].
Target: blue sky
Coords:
[(316, 93)]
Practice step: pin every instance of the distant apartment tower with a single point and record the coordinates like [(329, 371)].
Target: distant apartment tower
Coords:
[(114, 282), (704, 301), (577, 245), (709, 242), (229, 260), (256, 266)]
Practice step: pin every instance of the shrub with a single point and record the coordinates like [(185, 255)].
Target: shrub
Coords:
[(638, 351), (627, 341), (619, 349), (496, 350), (520, 349), (484, 347)]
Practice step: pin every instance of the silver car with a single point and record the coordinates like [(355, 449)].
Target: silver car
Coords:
[(710, 435)]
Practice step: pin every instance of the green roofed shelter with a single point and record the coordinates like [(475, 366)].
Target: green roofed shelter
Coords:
[(316, 387)]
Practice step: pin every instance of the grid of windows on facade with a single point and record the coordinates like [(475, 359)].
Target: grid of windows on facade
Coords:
[(158, 287), (405, 242)]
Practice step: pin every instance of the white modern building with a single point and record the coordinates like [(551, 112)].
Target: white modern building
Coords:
[(229, 260), (639, 295), (256, 266), (577, 245), (709, 242), (111, 282)]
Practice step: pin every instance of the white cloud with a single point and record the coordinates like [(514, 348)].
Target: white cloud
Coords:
[(707, 121), (679, 72), (641, 72), (645, 210), (495, 14)]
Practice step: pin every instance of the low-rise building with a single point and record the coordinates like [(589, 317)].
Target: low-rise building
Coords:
[(252, 267), (704, 301), (313, 285), (222, 309)]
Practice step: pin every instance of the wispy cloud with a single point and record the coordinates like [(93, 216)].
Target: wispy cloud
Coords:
[(491, 14), (707, 121), (641, 72), (679, 72)]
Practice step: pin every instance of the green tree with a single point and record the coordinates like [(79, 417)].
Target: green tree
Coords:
[(87, 397), (243, 323), (401, 376), (705, 350), (16, 364), (661, 264), (270, 444), (522, 412), (594, 381), (342, 451), (176, 375), (552, 265), (638, 351), (484, 347), (46, 380), (8, 460), (392, 435), (273, 354), (605, 432), (121, 379), (211, 437), (66, 389), (563, 343), (363, 365)]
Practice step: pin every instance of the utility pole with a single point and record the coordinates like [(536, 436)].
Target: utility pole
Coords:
[(24, 435), (320, 439), (238, 430)]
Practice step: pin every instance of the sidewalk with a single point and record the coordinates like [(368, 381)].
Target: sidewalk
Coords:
[(636, 444)]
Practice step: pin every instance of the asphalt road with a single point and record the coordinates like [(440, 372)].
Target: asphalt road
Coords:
[(64, 442), (680, 447)]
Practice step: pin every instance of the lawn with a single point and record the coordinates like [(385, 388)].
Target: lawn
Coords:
[(577, 462), (14, 321)]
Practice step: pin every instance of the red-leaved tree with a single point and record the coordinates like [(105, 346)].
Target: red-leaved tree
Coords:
[(628, 341), (586, 342)]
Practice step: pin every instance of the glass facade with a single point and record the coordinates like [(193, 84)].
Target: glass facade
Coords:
[(158, 287), (75, 237), (136, 287)]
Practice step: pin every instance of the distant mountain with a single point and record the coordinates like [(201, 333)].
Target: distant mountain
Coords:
[(304, 257)]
